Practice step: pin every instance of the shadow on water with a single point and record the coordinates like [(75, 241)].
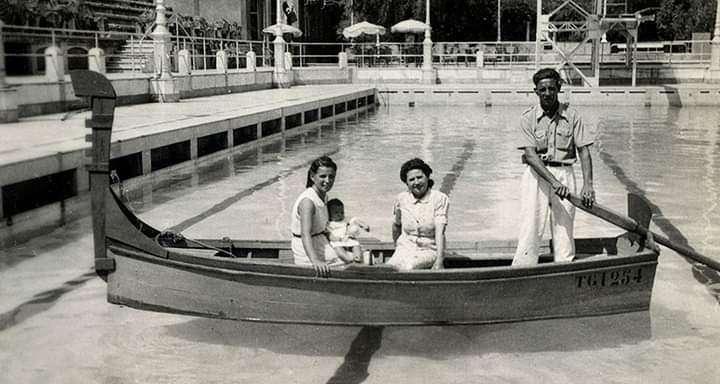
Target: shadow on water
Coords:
[(20, 251), (578, 334), (450, 178), (354, 368), (703, 274), (175, 185), (673, 96), (41, 302)]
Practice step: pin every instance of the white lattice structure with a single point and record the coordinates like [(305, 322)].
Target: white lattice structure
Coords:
[(591, 25)]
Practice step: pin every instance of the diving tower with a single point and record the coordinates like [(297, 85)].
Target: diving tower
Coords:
[(589, 26)]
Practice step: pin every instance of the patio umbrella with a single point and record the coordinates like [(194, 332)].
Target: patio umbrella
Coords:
[(281, 29), (364, 27), (409, 26)]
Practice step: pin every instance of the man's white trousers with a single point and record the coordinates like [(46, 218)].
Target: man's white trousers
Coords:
[(540, 206)]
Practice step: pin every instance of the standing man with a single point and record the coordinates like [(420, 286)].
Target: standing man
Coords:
[(552, 136)]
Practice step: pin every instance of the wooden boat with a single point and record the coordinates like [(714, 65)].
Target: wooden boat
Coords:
[(252, 280)]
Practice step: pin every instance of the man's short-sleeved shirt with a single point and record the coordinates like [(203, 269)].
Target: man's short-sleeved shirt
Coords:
[(555, 138)]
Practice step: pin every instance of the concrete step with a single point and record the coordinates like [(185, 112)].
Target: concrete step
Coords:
[(135, 51)]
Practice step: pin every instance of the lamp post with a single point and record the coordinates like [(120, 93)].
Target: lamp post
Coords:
[(163, 80), (428, 74), (715, 50), (280, 72), (499, 15)]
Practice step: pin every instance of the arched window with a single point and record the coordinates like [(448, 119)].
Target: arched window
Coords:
[(40, 60), (77, 58)]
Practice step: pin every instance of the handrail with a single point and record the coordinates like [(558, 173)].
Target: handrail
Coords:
[(385, 53)]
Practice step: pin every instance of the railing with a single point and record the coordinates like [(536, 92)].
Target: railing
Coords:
[(32, 61), (203, 51), (125, 52), (316, 54), (679, 51)]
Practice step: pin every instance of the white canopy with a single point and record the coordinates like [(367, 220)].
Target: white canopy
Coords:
[(281, 29), (364, 27), (410, 26)]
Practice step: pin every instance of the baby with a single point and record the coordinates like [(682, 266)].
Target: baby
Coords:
[(343, 234)]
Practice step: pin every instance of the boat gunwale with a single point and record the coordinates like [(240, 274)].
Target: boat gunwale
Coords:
[(269, 268)]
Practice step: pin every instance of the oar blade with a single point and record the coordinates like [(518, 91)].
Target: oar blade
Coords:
[(639, 210)]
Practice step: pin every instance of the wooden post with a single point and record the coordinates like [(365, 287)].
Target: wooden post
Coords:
[(102, 98)]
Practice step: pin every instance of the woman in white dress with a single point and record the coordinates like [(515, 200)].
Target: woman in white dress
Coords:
[(309, 218), (420, 217)]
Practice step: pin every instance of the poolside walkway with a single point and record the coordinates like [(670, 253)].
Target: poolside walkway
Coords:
[(44, 135)]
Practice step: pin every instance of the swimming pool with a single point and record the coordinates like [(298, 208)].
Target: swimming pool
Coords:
[(668, 154)]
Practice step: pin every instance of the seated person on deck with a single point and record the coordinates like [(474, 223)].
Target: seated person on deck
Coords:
[(343, 234)]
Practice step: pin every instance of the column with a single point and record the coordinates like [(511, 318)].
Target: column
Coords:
[(280, 73), (221, 60), (163, 84), (54, 64), (250, 61), (715, 53), (428, 75), (8, 96), (184, 63), (96, 60), (342, 60)]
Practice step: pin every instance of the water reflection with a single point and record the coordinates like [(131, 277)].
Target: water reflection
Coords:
[(575, 334)]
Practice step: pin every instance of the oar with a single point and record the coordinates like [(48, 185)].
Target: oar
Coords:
[(179, 236), (209, 247), (632, 226)]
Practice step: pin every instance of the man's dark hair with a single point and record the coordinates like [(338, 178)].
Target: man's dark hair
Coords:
[(547, 73)]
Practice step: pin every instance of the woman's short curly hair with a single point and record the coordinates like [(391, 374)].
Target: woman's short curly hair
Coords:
[(415, 163)]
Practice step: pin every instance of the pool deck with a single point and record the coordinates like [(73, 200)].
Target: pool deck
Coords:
[(41, 152), (44, 135), (678, 95)]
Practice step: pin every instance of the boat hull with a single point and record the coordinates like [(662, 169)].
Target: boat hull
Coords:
[(227, 290)]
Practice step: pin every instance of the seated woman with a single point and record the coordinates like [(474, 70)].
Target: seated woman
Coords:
[(420, 218), (309, 218)]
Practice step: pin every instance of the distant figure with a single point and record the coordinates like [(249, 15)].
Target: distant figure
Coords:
[(309, 218), (290, 15), (552, 135), (343, 234), (420, 217)]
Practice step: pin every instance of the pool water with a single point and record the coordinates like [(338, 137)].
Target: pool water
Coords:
[(669, 155)]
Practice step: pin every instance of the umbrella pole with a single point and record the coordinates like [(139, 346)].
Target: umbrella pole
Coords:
[(377, 49)]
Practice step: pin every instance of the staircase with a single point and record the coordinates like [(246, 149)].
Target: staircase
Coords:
[(133, 55), (122, 15)]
